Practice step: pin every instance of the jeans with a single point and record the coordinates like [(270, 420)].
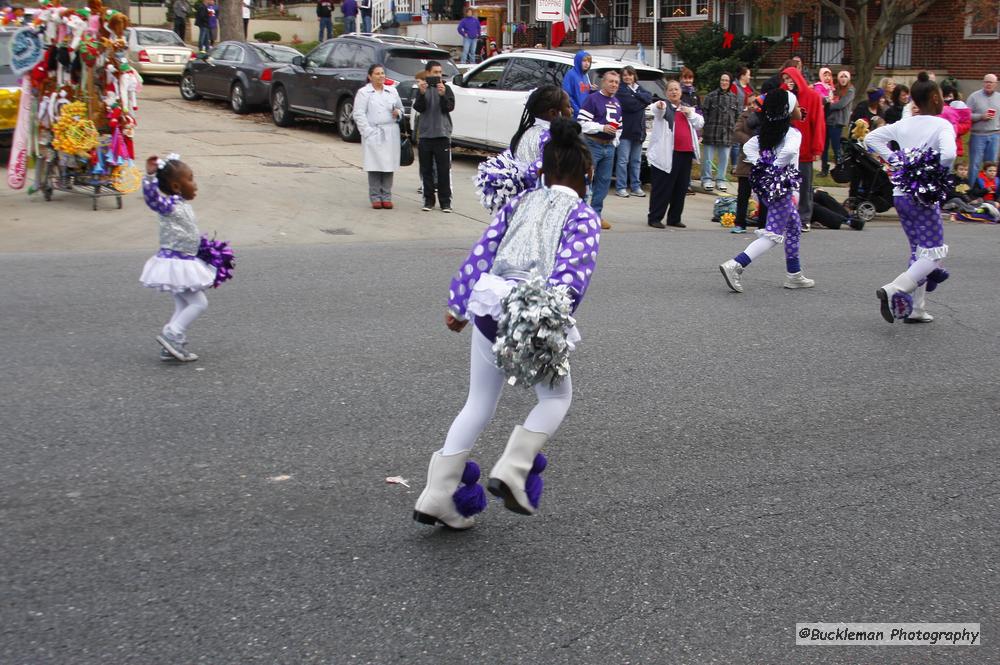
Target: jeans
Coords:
[(627, 165), (717, 156), (325, 27), (204, 38), (982, 148), (833, 134), (734, 154), (349, 24), (366, 22), (180, 24), (469, 49), (603, 155)]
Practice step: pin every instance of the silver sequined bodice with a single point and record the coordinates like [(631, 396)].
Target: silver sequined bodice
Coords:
[(528, 151), (533, 233), (178, 229)]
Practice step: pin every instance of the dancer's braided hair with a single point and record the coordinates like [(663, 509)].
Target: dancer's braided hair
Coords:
[(539, 101), (565, 155)]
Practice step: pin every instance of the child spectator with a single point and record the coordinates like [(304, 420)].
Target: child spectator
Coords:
[(985, 186)]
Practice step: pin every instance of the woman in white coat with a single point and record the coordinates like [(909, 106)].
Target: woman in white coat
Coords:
[(673, 147), (377, 109)]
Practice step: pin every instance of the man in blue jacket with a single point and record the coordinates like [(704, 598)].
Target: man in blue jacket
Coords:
[(576, 83), (469, 29)]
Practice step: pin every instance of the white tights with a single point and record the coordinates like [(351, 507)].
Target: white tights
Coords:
[(188, 306), (486, 382)]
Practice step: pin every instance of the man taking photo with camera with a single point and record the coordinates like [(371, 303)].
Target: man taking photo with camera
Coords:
[(435, 102)]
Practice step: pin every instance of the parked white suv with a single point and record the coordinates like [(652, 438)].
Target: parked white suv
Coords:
[(490, 98)]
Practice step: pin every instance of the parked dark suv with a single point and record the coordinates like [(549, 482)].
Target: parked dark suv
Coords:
[(322, 84)]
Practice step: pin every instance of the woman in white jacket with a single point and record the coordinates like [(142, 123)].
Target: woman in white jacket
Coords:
[(377, 110), (673, 147)]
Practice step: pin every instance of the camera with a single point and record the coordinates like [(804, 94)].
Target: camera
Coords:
[(432, 81)]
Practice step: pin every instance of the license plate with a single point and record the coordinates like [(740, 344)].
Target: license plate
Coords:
[(168, 58)]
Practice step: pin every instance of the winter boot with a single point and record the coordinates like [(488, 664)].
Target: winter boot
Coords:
[(919, 314), (452, 495), (731, 272), (895, 301), (515, 477)]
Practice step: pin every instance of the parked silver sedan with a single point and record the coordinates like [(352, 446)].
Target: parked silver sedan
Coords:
[(156, 52)]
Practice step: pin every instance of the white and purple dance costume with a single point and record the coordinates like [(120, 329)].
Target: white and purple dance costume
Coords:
[(549, 232), (920, 138), (506, 175), (176, 268), (774, 179)]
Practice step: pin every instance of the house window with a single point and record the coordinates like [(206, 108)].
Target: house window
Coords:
[(736, 17), (679, 9), (767, 24), (982, 25), (524, 11)]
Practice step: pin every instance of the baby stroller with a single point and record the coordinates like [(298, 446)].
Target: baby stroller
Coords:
[(870, 187)]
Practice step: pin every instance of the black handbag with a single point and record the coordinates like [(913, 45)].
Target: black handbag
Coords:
[(405, 144)]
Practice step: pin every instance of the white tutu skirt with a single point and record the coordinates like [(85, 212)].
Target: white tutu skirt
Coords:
[(177, 275), (486, 298)]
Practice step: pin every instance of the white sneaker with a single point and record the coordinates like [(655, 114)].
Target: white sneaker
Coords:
[(638, 193), (722, 186), (622, 193), (731, 271), (798, 281), (707, 186)]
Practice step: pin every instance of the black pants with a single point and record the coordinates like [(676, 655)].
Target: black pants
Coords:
[(246, 27), (670, 189), (827, 211), (180, 23), (743, 191), (437, 152)]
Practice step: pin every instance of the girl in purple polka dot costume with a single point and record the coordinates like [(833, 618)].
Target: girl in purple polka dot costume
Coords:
[(776, 148), (168, 186), (548, 231), (905, 297)]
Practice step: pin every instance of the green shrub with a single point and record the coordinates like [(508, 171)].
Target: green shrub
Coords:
[(305, 47), (267, 36), (702, 51)]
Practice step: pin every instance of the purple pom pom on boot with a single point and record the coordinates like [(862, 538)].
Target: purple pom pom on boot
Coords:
[(470, 497)]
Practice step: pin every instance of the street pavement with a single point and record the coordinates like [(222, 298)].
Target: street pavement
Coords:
[(732, 463)]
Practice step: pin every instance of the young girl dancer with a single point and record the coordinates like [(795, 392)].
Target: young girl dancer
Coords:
[(774, 154), (903, 298), (168, 186), (548, 231), (501, 178)]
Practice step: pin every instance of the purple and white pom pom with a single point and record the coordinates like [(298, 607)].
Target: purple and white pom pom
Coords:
[(772, 182), (502, 177), (901, 304), (219, 255), (937, 276), (534, 484), (921, 175)]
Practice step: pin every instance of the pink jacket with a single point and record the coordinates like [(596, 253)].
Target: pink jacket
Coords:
[(960, 117)]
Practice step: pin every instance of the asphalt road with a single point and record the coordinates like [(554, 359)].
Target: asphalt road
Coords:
[(732, 464)]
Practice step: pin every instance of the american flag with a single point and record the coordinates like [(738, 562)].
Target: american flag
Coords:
[(572, 9)]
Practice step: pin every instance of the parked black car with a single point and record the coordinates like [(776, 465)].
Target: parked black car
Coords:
[(322, 84), (239, 72)]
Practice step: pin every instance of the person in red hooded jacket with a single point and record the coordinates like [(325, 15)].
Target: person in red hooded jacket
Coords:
[(812, 126)]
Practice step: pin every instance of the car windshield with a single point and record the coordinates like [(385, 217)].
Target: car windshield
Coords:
[(651, 81), (276, 53), (410, 62), (157, 38)]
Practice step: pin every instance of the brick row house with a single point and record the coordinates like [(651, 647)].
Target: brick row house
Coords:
[(943, 39)]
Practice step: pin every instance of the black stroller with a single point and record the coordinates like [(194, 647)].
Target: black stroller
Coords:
[(870, 187)]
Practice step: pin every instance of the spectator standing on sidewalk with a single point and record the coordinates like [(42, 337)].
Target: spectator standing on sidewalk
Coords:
[(205, 20), (838, 113), (435, 101), (601, 119), (324, 12), (576, 82), (377, 109), (349, 9), (984, 143), (365, 6), (720, 109), (634, 100), (673, 146), (181, 9), (470, 29), (247, 13), (812, 127)]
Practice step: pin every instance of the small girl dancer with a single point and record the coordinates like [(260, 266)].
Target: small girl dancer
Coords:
[(918, 203), (176, 267), (774, 153), (550, 232), (504, 176)]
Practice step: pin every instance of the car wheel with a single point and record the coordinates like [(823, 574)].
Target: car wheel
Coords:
[(345, 122), (187, 88), (279, 108), (238, 98)]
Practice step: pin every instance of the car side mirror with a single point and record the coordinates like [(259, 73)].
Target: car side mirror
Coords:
[(299, 61), (456, 80)]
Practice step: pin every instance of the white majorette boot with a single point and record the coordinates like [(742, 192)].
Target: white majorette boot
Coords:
[(731, 271), (515, 477), (895, 301), (453, 494), (796, 280), (919, 314)]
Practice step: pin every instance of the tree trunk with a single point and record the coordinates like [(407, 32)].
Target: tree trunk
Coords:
[(231, 20)]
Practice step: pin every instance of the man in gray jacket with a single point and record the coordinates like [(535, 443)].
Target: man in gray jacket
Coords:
[(435, 101), (181, 9), (984, 142)]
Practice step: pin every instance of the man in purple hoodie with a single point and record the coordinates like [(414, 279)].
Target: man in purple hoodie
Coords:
[(470, 30)]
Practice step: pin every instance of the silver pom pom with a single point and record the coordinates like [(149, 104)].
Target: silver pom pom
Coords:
[(531, 341)]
